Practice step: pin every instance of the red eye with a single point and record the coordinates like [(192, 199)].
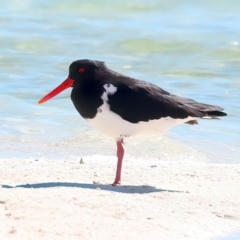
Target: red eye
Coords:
[(81, 70)]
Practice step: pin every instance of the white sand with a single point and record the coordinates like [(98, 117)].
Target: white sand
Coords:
[(156, 201)]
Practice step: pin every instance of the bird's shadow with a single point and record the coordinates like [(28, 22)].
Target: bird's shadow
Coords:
[(129, 189)]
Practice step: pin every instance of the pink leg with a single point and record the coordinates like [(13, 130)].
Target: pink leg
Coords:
[(120, 153)]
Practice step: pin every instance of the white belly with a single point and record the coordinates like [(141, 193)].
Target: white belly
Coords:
[(113, 125)]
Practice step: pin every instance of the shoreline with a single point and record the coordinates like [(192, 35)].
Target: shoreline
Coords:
[(43, 199)]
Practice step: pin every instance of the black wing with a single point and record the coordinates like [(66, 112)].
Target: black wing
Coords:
[(137, 101)]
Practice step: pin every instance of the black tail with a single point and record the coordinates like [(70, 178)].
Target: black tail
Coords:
[(215, 114), (201, 110)]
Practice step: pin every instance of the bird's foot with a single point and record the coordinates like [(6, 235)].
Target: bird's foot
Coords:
[(116, 183)]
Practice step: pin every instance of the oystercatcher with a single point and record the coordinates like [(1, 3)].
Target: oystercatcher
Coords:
[(121, 106)]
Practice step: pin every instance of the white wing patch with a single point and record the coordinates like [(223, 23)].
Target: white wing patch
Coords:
[(109, 90)]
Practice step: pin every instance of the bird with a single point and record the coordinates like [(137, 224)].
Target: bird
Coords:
[(121, 106)]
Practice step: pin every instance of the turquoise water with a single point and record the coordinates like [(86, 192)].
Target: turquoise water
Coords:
[(190, 49)]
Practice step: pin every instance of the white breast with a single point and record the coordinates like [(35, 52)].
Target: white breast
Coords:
[(113, 125)]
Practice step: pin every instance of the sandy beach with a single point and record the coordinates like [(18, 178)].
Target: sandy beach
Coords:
[(50, 199)]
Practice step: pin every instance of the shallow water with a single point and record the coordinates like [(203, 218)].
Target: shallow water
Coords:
[(233, 236), (189, 49)]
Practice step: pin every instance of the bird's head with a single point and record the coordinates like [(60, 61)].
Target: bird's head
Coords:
[(79, 72)]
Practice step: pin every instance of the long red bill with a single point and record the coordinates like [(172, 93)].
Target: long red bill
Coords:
[(64, 85)]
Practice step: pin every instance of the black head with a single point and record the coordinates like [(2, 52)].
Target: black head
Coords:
[(81, 70)]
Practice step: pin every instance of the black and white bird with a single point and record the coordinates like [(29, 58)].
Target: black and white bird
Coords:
[(121, 106)]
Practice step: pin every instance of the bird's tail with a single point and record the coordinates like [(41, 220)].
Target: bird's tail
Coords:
[(215, 113), (203, 110), (210, 112)]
